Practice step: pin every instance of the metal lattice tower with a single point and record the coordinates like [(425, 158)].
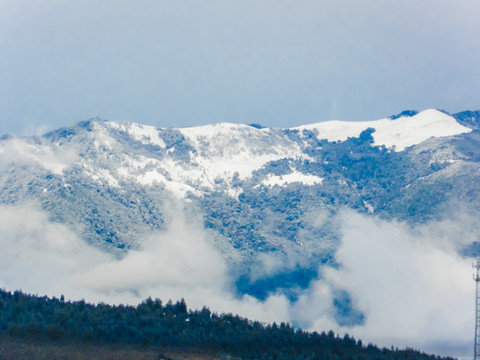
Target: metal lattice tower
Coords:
[(476, 278)]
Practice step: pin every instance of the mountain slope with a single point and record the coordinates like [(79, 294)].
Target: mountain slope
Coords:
[(257, 191)]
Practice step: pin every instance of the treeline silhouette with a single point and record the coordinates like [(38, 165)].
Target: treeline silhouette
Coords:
[(172, 325)]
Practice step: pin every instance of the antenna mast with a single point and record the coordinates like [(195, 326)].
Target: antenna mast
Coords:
[(476, 278)]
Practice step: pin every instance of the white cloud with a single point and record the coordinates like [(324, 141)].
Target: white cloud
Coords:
[(23, 151), (47, 258), (181, 257), (412, 287), (39, 256)]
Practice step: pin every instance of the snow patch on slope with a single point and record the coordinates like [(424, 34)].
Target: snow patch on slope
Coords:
[(178, 189), (295, 177), (148, 172), (397, 134), (101, 175), (143, 133), (225, 149)]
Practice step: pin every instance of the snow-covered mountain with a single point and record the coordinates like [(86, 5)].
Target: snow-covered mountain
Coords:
[(257, 190)]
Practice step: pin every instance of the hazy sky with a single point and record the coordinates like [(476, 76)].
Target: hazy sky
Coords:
[(279, 63)]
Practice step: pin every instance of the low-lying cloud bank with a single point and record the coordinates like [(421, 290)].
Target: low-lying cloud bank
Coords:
[(410, 284)]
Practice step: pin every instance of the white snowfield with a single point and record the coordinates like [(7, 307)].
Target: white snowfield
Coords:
[(396, 134)]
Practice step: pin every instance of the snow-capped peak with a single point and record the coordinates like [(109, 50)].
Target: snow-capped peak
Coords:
[(202, 158)]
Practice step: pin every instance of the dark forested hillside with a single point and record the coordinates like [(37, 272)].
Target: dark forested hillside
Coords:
[(166, 326)]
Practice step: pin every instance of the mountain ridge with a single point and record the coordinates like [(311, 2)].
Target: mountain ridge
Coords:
[(255, 189)]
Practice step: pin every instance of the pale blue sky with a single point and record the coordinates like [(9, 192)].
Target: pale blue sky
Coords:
[(279, 63)]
